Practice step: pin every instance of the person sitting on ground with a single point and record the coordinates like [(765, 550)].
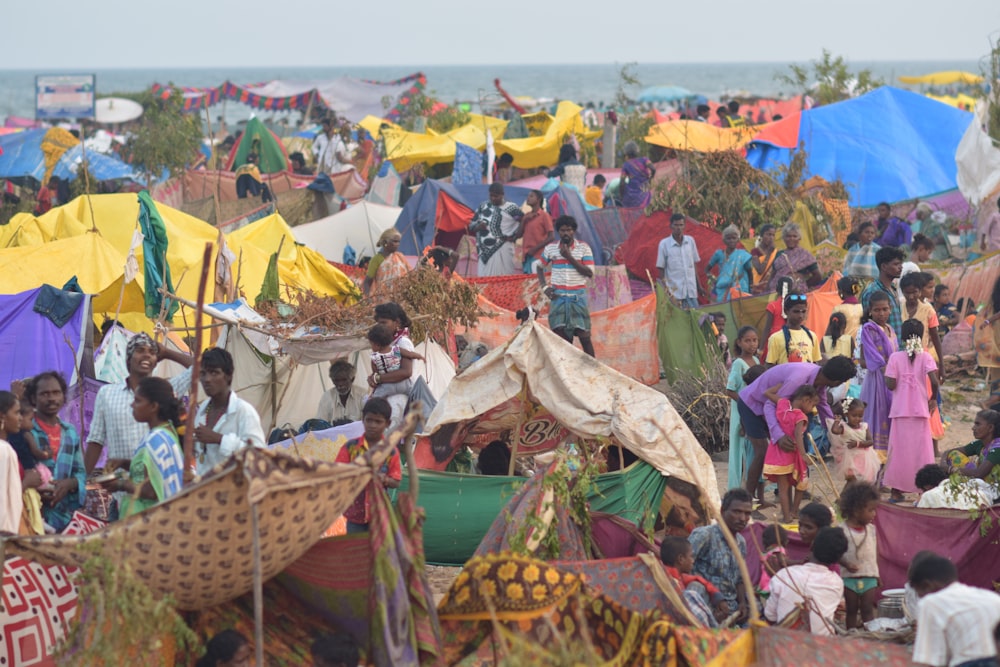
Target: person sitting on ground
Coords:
[(713, 558), (376, 417), (811, 586), (250, 182), (494, 459), (813, 517), (978, 459), (774, 541), (704, 600), (938, 491), (955, 622), (891, 230), (297, 161), (339, 650), (228, 648), (344, 400), (572, 264), (225, 423), (595, 193)]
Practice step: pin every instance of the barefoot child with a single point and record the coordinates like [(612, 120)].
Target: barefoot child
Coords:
[(851, 443), (376, 415), (788, 468), (740, 450), (858, 503), (910, 443)]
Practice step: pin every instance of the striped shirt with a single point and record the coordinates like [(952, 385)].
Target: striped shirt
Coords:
[(955, 625), (565, 278)]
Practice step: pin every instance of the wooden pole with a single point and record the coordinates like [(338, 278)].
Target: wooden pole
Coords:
[(258, 590), (206, 265)]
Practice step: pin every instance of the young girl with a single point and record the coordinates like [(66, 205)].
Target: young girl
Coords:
[(11, 497), (878, 342), (858, 503), (775, 317), (740, 450), (851, 443), (932, 342), (29, 453), (773, 540), (836, 341), (793, 342), (916, 308), (849, 288), (812, 518), (789, 469), (387, 356), (910, 443), (860, 260)]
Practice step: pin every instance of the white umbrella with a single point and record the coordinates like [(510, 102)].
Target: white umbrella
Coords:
[(116, 110)]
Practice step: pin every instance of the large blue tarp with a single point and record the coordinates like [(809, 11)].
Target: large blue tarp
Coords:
[(416, 221), (887, 145), (22, 157)]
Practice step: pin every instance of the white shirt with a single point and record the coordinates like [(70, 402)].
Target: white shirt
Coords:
[(971, 494), (239, 426), (331, 409), (955, 625), (113, 426), (679, 259), (822, 586), (326, 149)]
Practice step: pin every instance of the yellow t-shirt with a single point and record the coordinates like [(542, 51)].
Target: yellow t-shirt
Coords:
[(594, 196), (801, 347)]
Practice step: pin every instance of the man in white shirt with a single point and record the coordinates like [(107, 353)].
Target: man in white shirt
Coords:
[(812, 585), (225, 423), (330, 151), (955, 622), (345, 400), (676, 258)]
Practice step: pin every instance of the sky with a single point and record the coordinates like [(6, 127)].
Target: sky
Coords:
[(113, 34)]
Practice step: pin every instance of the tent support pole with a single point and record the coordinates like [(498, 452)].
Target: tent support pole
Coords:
[(258, 590), (199, 314), (517, 432)]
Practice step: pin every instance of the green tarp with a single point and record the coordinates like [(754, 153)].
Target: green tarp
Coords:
[(258, 139), (681, 343)]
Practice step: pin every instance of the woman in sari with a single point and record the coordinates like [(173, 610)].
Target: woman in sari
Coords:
[(762, 257), (734, 266), (986, 338), (878, 342), (157, 469), (794, 262), (387, 265), (637, 173), (860, 259)]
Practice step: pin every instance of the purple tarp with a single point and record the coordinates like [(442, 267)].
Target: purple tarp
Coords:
[(31, 343)]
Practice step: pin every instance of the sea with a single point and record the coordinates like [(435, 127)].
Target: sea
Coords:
[(473, 84)]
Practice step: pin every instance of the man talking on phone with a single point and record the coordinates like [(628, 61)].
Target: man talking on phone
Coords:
[(571, 263)]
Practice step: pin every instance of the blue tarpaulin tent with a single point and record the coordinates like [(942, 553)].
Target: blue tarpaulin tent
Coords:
[(22, 157), (887, 145)]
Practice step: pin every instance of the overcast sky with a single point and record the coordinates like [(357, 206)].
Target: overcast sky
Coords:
[(250, 33)]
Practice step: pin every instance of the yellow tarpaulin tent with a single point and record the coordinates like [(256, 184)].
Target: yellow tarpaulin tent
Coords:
[(943, 78), (961, 101), (543, 151), (408, 148), (690, 135)]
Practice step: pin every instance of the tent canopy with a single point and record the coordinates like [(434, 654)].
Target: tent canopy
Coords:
[(692, 135), (664, 94), (537, 371), (271, 157), (943, 78), (358, 226), (543, 151), (43, 153), (406, 149), (887, 145)]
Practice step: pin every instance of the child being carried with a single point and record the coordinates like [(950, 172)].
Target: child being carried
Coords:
[(387, 356)]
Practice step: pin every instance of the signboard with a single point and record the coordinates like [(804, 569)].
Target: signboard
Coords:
[(60, 97)]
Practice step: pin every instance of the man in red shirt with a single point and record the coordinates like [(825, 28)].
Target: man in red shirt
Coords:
[(537, 230)]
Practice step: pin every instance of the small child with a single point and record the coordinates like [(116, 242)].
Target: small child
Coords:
[(945, 308), (774, 540), (789, 469), (851, 443), (837, 341), (340, 650), (793, 342), (387, 357), (858, 502), (375, 415), (774, 318), (594, 195), (719, 320), (703, 598), (911, 446), (29, 453)]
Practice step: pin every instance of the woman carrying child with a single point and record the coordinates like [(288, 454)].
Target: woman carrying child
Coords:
[(788, 468)]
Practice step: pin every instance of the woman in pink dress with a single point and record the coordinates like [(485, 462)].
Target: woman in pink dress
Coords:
[(910, 443)]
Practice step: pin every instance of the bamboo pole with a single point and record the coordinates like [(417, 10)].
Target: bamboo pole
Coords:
[(258, 590), (196, 367)]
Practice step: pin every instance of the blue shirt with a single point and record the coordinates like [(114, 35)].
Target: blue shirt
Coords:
[(714, 561)]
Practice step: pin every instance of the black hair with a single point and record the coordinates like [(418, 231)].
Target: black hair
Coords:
[(541, 198), (733, 106), (673, 547), (506, 158), (992, 417), (377, 406), (222, 647), (567, 152), (7, 401), (600, 180), (702, 108), (921, 241), (721, 110), (773, 534), (753, 373), (804, 391), (910, 280), (929, 477), (678, 216), (863, 226), (849, 402), (31, 386), (848, 286), (717, 314), (336, 651), (393, 311), (830, 545), (743, 331), (839, 369), (818, 513), (855, 496), (216, 358), (835, 329), (938, 289), (886, 204), (159, 391), (342, 366), (494, 459), (929, 566), (887, 254), (737, 495), (496, 189), (911, 329), (565, 221), (925, 278), (995, 297), (767, 227), (793, 298), (381, 334), (877, 296), (297, 156)]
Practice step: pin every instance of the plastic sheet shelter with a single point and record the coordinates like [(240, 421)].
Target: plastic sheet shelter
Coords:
[(942, 78), (271, 157), (358, 226), (692, 135), (406, 149), (583, 395), (887, 145), (543, 151), (43, 153)]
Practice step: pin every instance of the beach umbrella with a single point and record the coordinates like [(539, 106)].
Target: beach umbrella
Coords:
[(664, 94), (943, 78), (116, 110)]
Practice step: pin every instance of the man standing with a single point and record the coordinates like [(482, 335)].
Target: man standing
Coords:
[(330, 151), (225, 423), (113, 428), (889, 261), (345, 400), (892, 231), (496, 224), (538, 231), (676, 258), (572, 264), (989, 232), (955, 622), (715, 561)]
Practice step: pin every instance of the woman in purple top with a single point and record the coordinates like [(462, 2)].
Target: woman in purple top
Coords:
[(637, 172)]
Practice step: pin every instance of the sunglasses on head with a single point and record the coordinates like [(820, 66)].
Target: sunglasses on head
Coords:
[(796, 297)]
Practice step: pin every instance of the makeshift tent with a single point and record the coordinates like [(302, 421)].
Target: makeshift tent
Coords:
[(640, 249), (537, 377), (543, 151), (405, 149), (887, 145), (43, 153), (439, 214), (271, 156), (358, 226), (692, 135), (943, 78)]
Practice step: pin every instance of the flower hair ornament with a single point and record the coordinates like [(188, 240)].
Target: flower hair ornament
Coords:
[(846, 404), (914, 346)]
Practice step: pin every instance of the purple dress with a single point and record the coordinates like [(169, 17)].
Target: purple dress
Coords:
[(877, 346), (636, 174)]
